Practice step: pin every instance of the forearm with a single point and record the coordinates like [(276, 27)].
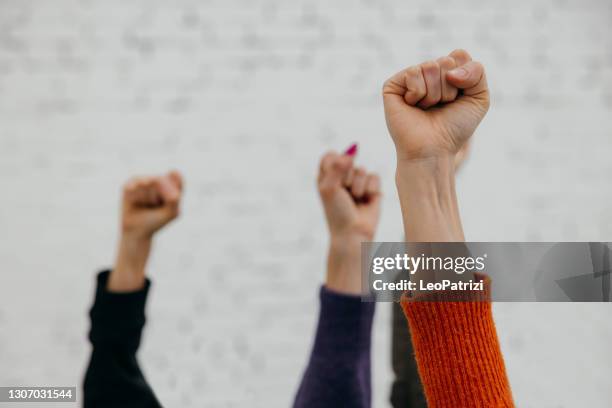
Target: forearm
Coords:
[(426, 190), (129, 272), (344, 265)]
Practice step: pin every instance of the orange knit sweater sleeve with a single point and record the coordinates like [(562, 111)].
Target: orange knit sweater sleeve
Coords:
[(457, 351)]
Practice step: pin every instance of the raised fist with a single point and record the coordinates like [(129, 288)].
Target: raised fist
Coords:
[(351, 199), (350, 196), (433, 108), (149, 203)]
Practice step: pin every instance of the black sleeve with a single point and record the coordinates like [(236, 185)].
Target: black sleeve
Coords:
[(406, 390), (113, 377)]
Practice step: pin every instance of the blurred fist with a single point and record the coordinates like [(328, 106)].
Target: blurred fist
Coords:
[(149, 203), (350, 196), (433, 108)]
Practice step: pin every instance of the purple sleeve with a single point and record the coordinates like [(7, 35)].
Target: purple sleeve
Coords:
[(338, 373)]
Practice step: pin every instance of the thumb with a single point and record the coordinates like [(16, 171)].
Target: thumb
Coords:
[(470, 77), (333, 170), (168, 189), (170, 192)]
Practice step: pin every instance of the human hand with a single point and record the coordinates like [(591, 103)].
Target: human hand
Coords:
[(350, 197), (433, 108), (148, 204), (351, 200)]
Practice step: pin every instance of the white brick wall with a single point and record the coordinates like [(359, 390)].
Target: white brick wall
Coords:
[(243, 96)]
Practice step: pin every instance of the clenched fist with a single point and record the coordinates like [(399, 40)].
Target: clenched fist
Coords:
[(433, 108), (351, 200), (350, 196), (148, 204)]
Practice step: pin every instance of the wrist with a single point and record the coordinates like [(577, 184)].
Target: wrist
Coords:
[(344, 264), (430, 180), (347, 244), (128, 273), (426, 189)]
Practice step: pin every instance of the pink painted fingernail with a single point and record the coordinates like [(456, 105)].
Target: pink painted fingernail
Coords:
[(352, 150)]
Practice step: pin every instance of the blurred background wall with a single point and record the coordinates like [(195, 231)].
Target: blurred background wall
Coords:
[(243, 97)]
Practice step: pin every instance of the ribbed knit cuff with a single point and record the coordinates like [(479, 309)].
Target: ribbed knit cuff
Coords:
[(457, 350), (117, 319), (345, 324)]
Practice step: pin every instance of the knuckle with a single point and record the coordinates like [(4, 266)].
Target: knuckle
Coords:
[(446, 62), (325, 189), (427, 99), (360, 171), (326, 160), (420, 92), (389, 86), (413, 70), (328, 157), (460, 52), (129, 187), (486, 101), (328, 154)]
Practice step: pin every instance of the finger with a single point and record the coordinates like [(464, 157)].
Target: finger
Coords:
[(373, 194), (153, 196), (461, 57), (129, 189), (449, 92), (348, 178), (333, 165), (333, 170), (177, 178), (358, 187), (469, 77), (431, 73), (139, 196), (166, 188), (414, 83), (352, 150), (165, 213), (373, 185), (396, 85), (138, 191), (407, 84), (132, 194)]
